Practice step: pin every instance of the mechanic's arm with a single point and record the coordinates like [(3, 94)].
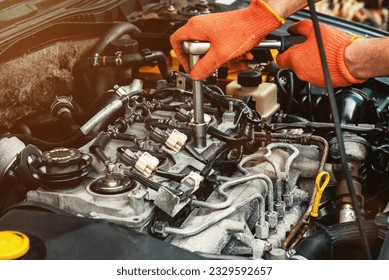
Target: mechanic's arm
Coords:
[(286, 8), (351, 59), (367, 58)]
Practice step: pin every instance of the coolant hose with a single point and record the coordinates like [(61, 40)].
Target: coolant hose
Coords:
[(160, 58), (107, 112), (101, 116), (115, 32), (135, 59), (68, 123), (320, 245)]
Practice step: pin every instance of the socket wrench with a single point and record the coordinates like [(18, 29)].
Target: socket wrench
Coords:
[(195, 50)]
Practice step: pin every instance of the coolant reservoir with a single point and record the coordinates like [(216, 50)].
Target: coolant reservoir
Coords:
[(250, 83)]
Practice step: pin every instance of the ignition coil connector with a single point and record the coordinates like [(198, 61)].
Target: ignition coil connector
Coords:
[(176, 140), (190, 183), (143, 162), (187, 116), (173, 139), (247, 131), (184, 115)]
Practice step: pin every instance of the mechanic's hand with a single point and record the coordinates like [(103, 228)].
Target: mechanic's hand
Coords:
[(231, 34), (304, 59)]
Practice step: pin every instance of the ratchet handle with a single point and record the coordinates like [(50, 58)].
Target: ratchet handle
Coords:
[(290, 41)]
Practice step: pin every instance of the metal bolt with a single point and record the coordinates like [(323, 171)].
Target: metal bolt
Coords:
[(11, 174), (230, 107), (93, 215), (290, 253), (110, 167)]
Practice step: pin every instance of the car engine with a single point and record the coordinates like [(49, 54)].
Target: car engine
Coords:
[(105, 127)]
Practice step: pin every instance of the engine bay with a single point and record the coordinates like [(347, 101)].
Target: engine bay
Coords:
[(103, 127)]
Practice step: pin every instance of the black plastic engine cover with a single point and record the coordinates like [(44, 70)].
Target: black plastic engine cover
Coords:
[(66, 237)]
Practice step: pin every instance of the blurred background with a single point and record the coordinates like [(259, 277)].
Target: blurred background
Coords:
[(370, 12)]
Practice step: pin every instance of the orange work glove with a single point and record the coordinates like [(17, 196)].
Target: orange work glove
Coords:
[(304, 59), (231, 34)]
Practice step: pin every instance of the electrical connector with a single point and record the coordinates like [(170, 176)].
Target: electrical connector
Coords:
[(143, 162), (173, 139), (191, 183), (176, 140), (146, 164)]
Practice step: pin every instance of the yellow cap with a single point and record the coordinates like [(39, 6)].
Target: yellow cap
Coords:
[(13, 245)]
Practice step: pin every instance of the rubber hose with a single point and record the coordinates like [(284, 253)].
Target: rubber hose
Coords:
[(288, 118), (75, 141), (319, 246), (98, 146), (125, 137), (135, 59), (67, 123), (160, 58), (115, 32)]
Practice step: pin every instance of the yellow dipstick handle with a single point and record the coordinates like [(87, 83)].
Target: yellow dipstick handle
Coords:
[(319, 191)]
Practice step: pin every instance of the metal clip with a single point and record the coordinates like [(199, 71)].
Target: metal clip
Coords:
[(96, 60), (118, 59)]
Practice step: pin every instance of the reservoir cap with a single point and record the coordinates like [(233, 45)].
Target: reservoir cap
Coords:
[(249, 78), (13, 245)]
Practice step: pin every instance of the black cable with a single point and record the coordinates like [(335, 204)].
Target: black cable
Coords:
[(219, 153), (309, 93), (165, 92), (291, 92), (288, 118), (338, 130), (143, 180), (216, 88), (226, 138), (139, 177), (187, 131), (176, 177), (160, 156)]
